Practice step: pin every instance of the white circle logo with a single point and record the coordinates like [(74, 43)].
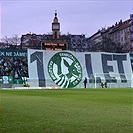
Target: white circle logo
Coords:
[(65, 70)]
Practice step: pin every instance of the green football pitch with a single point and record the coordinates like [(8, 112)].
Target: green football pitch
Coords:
[(66, 111)]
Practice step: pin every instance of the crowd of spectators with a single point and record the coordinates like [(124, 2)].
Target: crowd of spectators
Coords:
[(16, 67)]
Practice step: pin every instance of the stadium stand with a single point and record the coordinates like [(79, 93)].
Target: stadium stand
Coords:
[(16, 67)]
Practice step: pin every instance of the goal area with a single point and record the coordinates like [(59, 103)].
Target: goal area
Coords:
[(110, 80)]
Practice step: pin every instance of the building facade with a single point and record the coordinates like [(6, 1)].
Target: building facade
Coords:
[(121, 34)]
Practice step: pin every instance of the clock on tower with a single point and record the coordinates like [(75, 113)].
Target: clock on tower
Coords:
[(55, 26)]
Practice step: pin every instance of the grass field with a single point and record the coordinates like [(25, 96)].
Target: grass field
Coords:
[(66, 111)]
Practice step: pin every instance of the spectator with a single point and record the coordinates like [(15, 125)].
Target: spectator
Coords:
[(102, 84), (85, 82), (105, 84), (13, 67)]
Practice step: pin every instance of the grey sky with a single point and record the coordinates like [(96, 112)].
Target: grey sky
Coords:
[(75, 16)]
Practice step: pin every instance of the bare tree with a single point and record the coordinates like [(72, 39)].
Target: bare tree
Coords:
[(6, 42), (10, 42), (107, 45), (110, 46), (15, 40)]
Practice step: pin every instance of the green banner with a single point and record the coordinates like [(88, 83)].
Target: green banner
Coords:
[(18, 81), (10, 80), (13, 53), (6, 80)]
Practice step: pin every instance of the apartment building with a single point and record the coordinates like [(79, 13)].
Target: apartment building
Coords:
[(120, 33)]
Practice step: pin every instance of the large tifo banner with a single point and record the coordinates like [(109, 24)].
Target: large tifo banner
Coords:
[(67, 69)]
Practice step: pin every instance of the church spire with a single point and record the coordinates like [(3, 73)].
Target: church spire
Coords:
[(55, 18), (55, 13)]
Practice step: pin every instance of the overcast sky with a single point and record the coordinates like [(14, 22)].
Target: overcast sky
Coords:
[(75, 16)]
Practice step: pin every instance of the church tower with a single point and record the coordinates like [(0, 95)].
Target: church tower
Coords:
[(56, 27)]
